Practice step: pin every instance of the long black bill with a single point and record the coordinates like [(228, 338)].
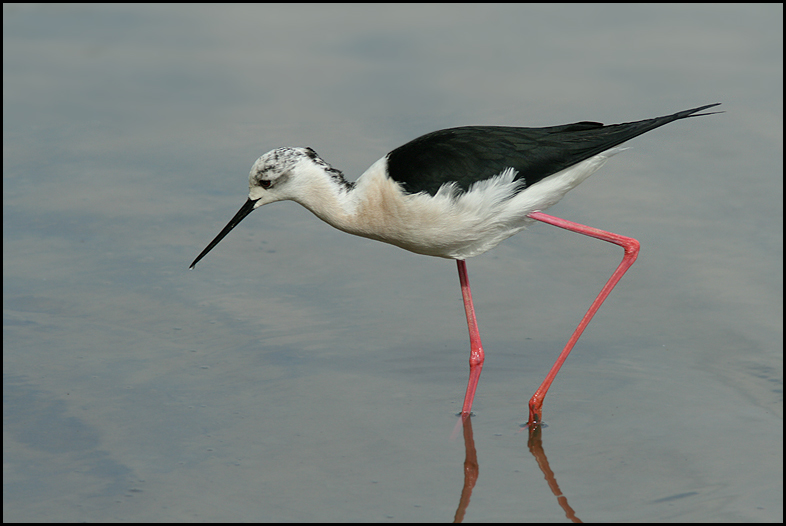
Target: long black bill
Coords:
[(246, 209)]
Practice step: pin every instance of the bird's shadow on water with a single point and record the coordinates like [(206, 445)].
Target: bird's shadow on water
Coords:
[(472, 467)]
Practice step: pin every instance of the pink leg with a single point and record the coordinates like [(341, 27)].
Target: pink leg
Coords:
[(476, 355), (631, 247)]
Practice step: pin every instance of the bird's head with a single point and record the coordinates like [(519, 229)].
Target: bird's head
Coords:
[(280, 174), (284, 173)]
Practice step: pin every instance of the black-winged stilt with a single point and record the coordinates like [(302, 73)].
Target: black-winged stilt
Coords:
[(455, 194)]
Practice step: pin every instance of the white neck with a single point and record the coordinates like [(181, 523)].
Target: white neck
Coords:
[(331, 199)]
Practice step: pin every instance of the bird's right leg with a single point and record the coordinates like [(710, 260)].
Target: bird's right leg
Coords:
[(631, 247)]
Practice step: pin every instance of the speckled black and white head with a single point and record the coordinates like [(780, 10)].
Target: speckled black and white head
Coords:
[(297, 174), (286, 173)]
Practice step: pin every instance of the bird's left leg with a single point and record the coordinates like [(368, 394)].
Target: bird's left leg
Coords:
[(476, 355), (631, 247)]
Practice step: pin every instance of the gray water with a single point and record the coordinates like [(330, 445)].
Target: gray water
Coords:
[(301, 374)]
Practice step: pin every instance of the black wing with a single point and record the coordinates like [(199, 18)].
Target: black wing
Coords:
[(473, 153)]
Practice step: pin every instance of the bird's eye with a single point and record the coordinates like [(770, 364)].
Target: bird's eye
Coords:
[(265, 184)]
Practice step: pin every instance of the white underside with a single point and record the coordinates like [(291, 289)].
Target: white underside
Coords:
[(449, 224)]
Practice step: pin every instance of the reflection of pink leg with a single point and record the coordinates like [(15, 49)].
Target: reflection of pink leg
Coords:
[(476, 354), (631, 247)]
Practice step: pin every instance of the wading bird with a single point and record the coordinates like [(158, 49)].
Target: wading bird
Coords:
[(456, 193)]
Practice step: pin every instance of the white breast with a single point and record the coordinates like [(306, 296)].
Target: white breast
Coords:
[(451, 224)]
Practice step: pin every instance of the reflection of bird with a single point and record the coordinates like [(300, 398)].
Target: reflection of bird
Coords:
[(454, 193)]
